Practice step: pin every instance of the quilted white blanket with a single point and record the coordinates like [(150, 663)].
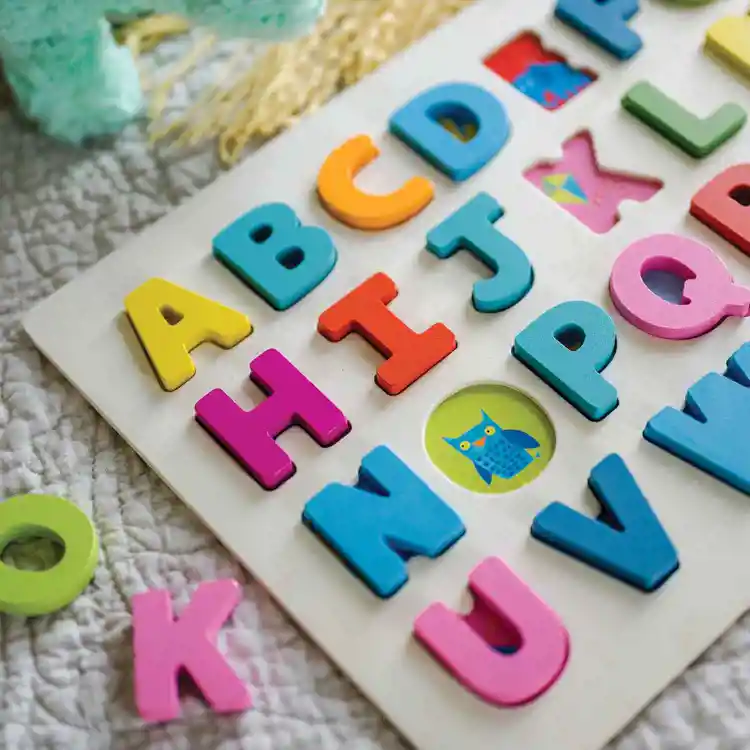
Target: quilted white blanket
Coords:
[(66, 679)]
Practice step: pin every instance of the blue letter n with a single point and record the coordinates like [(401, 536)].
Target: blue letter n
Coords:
[(710, 431), (389, 516)]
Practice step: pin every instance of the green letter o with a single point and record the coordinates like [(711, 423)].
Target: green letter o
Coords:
[(30, 593)]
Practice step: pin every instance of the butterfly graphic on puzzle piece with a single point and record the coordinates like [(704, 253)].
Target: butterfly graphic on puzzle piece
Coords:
[(495, 452)]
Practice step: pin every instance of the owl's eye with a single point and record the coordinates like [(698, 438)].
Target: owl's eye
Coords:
[(464, 445), (489, 430)]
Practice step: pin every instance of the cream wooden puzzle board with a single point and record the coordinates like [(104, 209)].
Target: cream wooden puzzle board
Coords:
[(625, 645)]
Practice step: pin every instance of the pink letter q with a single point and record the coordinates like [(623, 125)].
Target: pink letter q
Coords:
[(709, 295)]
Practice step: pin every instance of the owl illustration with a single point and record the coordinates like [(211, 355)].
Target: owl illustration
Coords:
[(493, 451)]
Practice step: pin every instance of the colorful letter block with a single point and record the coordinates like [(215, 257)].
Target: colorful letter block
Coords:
[(352, 206), (471, 228), (695, 136), (604, 22), (729, 40), (171, 321), (568, 346), (271, 252), (709, 294), (410, 355), (30, 592), (250, 436), (485, 667), (708, 432), (419, 124), (627, 541), (389, 516), (164, 646), (723, 205)]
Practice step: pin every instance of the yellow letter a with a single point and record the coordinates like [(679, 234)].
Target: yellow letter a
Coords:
[(171, 321)]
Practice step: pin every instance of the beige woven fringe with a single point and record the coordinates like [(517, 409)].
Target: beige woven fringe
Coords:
[(248, 103)]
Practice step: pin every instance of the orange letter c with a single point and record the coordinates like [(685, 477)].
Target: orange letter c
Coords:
[(347, 203)]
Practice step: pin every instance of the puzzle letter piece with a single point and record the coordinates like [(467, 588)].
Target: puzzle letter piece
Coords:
[(568, 346), (275, 255), (604, 22), (171, 321), (502, 602), (709, 294), (250, 436), (471, 228), (695, 136), (163, 646), (410, 355), (729, 39), (709, 431), (723, 205), (418, 124), (346, 202), (31, 592), (637, 551), (389, 516)]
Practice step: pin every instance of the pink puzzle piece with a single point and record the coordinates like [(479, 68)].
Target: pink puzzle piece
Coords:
[(163, 646), (509, 650), (250, 436), (709, 295), (578, 185)]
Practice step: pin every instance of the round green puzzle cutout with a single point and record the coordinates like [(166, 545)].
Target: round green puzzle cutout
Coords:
[(31, 593), (490, 438)]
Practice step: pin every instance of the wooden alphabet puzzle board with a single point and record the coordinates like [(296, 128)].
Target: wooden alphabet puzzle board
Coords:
[(472, 431)]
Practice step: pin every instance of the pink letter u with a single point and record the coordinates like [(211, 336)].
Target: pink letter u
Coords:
[(510, 649)]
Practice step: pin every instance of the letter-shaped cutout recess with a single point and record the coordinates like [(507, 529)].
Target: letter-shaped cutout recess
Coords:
[(472, 228), (567, 347), (709, 294), (352, 206), (171, 321), (723, 205), (250, 436), (39, 592), (269, 250), (627, 541), (163, 646), (419, 124), (708, 431), (410, 355), (604, 22), (509, 650), (389, 516), (698, 137)]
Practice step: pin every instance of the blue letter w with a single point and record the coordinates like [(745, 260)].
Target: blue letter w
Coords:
[(710, 431)]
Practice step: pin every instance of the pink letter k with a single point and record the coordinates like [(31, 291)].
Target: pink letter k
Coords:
[(163, 646)]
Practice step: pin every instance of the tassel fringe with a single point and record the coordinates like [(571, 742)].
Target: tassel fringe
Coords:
[(249, 102)]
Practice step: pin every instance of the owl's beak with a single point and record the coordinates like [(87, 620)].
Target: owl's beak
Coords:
[(479, 443)]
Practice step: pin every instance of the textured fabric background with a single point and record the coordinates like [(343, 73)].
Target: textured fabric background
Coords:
[(66, 679)]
